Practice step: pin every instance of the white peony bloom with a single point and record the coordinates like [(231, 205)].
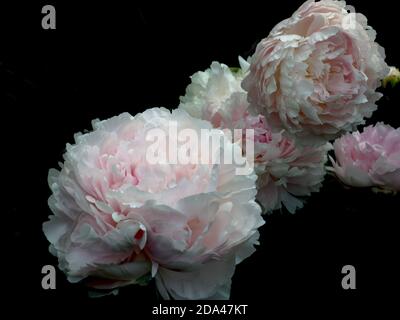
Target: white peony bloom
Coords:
[(118, 219)]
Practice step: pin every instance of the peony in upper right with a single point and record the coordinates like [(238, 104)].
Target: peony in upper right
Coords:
[(317, 72)]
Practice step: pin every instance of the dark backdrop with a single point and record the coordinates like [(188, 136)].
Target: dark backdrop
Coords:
[(104, 59)]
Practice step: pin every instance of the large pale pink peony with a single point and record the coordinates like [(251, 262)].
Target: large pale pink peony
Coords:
[(370, 158), (120, 220), (317, 72), (287, 172)]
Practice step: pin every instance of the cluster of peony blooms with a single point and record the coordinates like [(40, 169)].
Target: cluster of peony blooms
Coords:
[(119, 220)]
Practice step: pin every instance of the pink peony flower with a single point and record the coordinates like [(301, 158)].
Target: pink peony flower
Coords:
[(316, 73), (119, 220), (286, 171), (370, 158)]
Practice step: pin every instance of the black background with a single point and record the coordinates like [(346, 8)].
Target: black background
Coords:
[(104, 59)]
